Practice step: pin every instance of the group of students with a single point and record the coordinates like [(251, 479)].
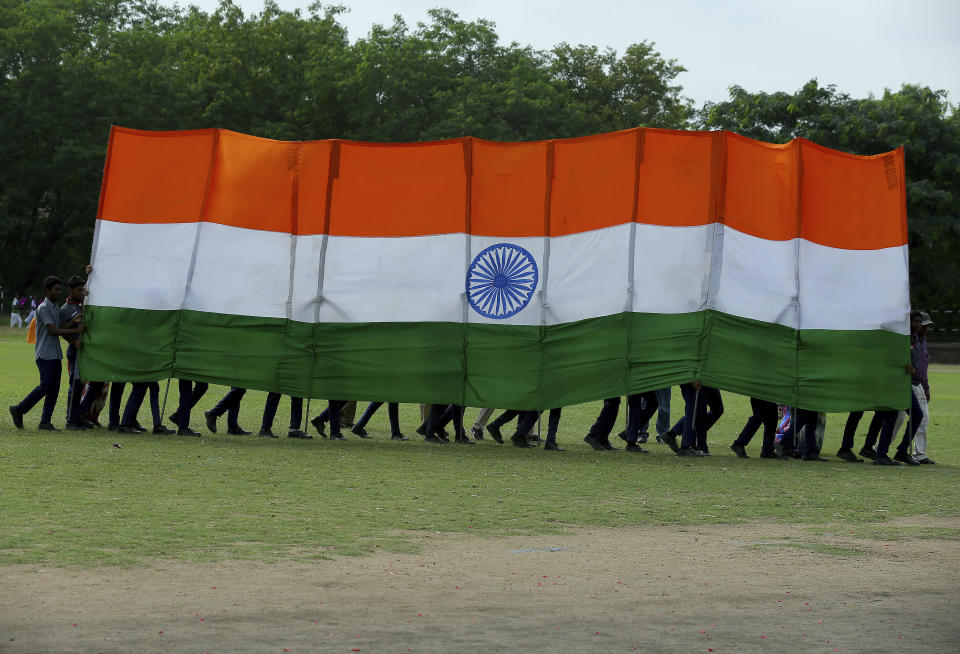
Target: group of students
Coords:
[(787, 433)]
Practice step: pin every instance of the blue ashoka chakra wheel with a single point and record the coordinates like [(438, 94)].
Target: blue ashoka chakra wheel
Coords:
[(501, 280)]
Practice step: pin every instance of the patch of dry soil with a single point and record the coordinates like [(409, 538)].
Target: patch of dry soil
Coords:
[(716, 588)]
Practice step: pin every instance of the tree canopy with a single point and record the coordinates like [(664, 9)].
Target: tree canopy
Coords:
[(71, 68)]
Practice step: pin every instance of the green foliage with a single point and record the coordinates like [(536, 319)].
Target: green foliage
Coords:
[(915, 117), (71, 68)]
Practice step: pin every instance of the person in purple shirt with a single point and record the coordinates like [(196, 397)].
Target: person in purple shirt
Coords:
[(920, 386)]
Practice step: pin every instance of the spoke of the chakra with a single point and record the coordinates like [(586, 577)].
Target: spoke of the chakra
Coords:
[(481, 274), (489, 261), (514, 294), (514, 259), (482, 296), (497, 261), (518, 262)]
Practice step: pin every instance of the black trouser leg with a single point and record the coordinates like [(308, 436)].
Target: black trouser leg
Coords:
[(367, 414), (333, 414), (888, 420), (393, 413), (137, 393), (873, 431), (269, 411), (641, 407), (606, 419), (850, 430), (296, 413), (553, 422), (503, 418)]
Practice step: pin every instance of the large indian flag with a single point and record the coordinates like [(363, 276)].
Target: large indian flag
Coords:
[(523, 275)]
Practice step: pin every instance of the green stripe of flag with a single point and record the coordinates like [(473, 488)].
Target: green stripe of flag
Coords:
[(503, 366)]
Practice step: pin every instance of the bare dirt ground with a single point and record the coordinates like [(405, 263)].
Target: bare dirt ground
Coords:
[(763, 588)]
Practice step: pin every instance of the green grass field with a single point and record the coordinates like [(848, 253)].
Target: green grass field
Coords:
[(71, 498)]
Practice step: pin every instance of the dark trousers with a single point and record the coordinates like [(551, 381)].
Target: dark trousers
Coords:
[(873, 431), (505, 417), (332, 415), (393, 413), (889, 420), (230, 404), (137, 394), (702, 409), (74, 387), (850, 429), (640, 408), (48, 390), (765, 414), (606, 419), (529, 418), (190, 394), (116, 398), (438, 413), (807, 421), (663, 414), (270, 412)]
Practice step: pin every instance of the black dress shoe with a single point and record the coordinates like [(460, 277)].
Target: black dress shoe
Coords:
[(770, 455), (868, 452), (237, 430), (127, 429), (848, 456), (607, 445), (112, 426), (211, 421), (688, 451), (477, 433), (297, 433), (884, 460), (670, 440), (442, 435), (705, 451), (17, 417), (318, 425), (186, 431), (434, 440), (903, 457), (338, 437), (422, 430), (74, 426), (140, 428), (398, 437), (552, 446), (634, 447), (494, 432), (160, 429), (47, 426), (360, 431), (739, 450), (926, 462), (266, 433), (520, 441), (593, 442), (464, 440), (86, 423), (812, 457)]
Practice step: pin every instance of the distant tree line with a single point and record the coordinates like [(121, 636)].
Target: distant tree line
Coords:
[(71, 68)]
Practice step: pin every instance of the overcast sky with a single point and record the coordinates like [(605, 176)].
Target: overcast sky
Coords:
[(862, 46)]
